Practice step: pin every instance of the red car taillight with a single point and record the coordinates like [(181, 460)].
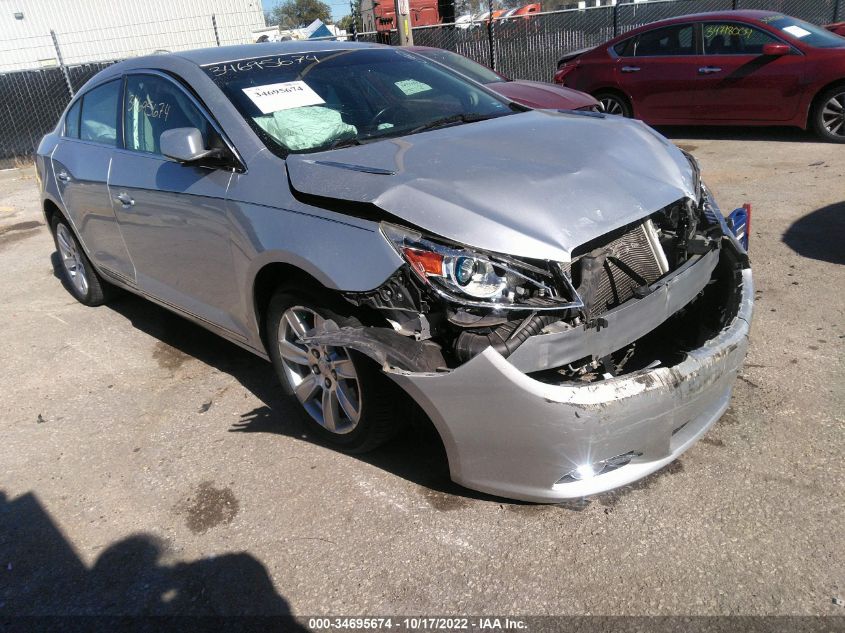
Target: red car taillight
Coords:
[(563, 71)]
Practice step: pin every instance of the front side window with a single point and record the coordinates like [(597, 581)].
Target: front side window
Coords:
[(98, 122), (666, 42), (309, 102), (734, 38), (153, 105), (72, 120)]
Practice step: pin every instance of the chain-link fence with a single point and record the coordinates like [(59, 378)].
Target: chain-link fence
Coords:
[(40, 73), (529, 47)]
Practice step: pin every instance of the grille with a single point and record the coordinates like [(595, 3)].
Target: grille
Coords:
[(639, 250)]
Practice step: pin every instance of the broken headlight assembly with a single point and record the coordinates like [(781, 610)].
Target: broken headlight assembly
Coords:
[(477, 279)]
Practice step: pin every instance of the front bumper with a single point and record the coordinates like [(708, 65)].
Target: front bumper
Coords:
[(510, 435)]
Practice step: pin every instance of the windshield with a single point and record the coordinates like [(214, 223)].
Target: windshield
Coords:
[(461, 64), (809, 34), (308, 102)]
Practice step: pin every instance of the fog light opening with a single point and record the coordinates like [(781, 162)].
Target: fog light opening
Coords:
[(588, 471)]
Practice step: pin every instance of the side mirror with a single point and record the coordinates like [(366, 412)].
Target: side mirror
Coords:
[(184, 144), (776, 50)]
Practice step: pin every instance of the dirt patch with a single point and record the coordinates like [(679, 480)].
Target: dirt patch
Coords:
[(12, 233), (209, 507), (169, 357)]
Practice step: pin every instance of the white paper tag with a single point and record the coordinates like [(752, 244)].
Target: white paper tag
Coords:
[(290, 94), (797, 31)]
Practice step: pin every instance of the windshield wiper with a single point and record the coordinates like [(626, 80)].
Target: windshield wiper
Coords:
[(451, 120), (344, 142)]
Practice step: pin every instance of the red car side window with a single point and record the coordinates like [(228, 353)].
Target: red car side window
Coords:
[(666, 42), (734, 38)]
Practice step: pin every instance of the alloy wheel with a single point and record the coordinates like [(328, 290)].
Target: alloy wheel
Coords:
[(72, 259), (833, 115), (612, 105), (322, 377)]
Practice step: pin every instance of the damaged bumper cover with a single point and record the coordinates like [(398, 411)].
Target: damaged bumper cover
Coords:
[(508, 434)]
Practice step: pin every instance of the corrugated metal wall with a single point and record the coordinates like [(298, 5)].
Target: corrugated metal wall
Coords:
[(100, 30)]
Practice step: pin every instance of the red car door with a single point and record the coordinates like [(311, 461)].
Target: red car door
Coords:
[(737, 81), (655, 70)]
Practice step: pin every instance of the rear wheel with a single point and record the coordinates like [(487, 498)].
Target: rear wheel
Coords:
[(829, 114), (344, 399), (615, 103), (81, 279)]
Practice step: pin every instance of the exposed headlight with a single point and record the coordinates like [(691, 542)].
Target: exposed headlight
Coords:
[(478, 279)]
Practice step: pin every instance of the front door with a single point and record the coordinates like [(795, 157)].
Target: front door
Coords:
[(737, 82), (173, 216)]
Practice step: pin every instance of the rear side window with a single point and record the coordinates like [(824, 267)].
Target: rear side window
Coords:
[(99, 114), (734, 38), (668, 41), (72, 120), (153, 105)]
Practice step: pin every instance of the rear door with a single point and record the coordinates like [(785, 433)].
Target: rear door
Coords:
[(657, 70), (81, 165), (173, 215), (737, 82)]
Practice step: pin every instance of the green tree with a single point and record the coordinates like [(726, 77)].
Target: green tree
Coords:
[(345, 22), (298, 13)]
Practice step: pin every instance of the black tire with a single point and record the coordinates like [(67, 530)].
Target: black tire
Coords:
[(615, 103), (94, 291), (828, 115), (378, 399)]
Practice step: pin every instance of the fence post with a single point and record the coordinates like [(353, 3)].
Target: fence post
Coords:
[(214, 24), (735, 5), (615, 19), (61, 62), (836, 6)]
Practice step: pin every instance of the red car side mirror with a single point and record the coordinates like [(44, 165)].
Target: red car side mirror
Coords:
[(776, 50)]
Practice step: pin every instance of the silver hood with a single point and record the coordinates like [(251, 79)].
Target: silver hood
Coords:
[(535, 184)]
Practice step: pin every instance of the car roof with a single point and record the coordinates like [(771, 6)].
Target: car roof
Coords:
[(223, 54)]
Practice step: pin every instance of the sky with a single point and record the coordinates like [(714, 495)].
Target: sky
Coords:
[(339, 7)]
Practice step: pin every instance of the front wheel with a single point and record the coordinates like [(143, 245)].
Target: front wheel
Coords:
[(614, 103), (829, 114), (344, 399)]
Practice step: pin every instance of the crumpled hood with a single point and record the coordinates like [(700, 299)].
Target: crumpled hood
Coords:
[(535, 184)]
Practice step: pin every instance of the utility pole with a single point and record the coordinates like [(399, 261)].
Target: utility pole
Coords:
[(403, 22)]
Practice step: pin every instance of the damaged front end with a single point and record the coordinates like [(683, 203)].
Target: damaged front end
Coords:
[(552, 380)]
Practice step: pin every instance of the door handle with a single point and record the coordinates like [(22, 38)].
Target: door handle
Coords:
[(707, 70), (124, 199), (630, 69), (62, 175)]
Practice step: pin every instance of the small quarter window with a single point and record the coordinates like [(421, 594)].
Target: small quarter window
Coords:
[(625, 48), (72, 120), (99, 114)]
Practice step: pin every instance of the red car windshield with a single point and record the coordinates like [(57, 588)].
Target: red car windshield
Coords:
[(807, 33)]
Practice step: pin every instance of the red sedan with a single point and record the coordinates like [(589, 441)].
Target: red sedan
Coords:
[(838, 28), (533, 94), (730, 68)]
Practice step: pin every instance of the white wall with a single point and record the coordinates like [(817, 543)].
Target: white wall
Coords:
[(99, 30)]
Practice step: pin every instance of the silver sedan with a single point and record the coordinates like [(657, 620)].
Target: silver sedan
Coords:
[(556, 290)]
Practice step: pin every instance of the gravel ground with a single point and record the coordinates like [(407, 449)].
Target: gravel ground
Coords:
[(147, 466)]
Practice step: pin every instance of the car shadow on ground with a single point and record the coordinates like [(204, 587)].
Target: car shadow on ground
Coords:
[(820, 234), (740, 133), (42, 575), (416, 454)]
